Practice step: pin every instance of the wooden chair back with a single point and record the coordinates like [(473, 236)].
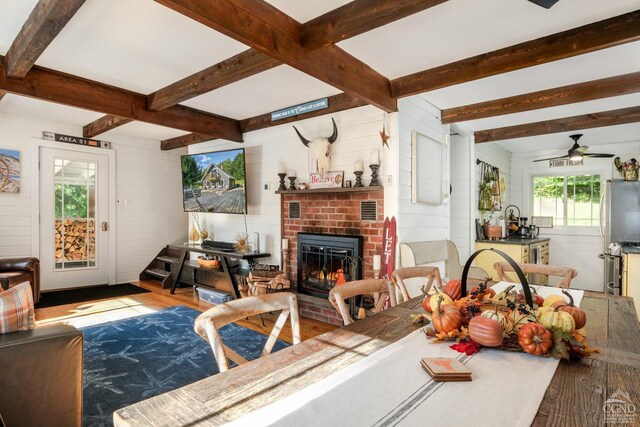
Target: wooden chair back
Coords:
[(338, 294), (208, 323), (431, 274), (566, 273)]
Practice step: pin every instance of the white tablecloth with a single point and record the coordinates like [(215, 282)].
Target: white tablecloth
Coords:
[(390, 388)]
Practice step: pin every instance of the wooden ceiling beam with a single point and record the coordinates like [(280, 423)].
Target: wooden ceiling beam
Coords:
[(340, 102), (45, 22), (238, 67), (263, 27), (566, 124), (577, 41), (104, 124), (356, 18), (579, 92), (49, 85)]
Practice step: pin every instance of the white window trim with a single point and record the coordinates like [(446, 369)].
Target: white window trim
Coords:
[(604, 173)]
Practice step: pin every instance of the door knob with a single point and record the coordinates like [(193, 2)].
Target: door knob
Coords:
[(105, 226)]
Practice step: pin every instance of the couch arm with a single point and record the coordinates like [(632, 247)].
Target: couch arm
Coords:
[(19, 264), (4, 283), (41, 379)]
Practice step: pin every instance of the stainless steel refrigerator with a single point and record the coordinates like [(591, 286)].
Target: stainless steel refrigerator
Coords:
[(619, 227)]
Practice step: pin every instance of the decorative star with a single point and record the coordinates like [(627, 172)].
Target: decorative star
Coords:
[(384, 137)]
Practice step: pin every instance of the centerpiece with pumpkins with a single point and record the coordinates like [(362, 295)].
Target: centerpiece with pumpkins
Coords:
[(509, 320)]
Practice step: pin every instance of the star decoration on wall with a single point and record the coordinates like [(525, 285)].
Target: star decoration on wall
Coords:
[(384, 137)]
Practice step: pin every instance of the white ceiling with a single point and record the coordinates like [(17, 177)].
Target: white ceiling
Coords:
[(142, 46)]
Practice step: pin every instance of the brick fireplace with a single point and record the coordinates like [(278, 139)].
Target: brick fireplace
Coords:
[(345, 212)]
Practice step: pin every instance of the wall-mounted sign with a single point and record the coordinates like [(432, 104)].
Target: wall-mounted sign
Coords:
[(564, 162), (50, 136), (330, 180), (318, 104)]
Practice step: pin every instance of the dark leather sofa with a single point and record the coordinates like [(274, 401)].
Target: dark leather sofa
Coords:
[(41, 379), (19, 270)]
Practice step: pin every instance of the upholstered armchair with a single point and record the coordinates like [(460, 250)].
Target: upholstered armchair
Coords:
[(18, 270)]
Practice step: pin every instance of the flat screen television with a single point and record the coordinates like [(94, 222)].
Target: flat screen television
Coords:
[(214, 182)]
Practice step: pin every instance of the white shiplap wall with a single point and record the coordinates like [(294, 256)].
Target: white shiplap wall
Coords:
[(576, 247), (266, 149), (463, 196), (418, 222), (145, 176)]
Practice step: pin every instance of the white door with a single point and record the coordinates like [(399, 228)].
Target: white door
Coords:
[(74, 197)]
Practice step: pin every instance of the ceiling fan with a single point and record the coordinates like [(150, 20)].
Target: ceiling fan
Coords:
[(577, 152), (544, 3)]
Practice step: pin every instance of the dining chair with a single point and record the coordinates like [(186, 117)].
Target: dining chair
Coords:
[(338, 294), (566, 273), (431, 274), (208, 323)]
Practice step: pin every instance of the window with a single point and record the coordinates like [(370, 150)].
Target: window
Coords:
[(572, 200)]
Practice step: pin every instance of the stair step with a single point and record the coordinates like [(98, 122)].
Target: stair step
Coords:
[(165, 258), (158, 272)]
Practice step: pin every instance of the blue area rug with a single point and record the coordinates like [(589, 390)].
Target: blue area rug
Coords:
[(130, 360)]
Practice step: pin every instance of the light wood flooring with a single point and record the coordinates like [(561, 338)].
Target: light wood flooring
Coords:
[(94, 312)]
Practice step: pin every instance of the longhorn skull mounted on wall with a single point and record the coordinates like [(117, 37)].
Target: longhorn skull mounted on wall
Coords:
[(320, 150)]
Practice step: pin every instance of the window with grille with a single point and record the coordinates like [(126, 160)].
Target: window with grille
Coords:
[(572, 200)]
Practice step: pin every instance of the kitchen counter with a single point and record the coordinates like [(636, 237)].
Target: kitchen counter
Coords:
[(517, 240)]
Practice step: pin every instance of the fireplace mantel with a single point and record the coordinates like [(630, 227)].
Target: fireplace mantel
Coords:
[(333, 190)]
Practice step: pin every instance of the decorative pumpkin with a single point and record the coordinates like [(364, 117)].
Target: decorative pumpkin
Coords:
[(453, 288), (548, 301), (485, 331), (426, 304), (468, 308), (578, 314), (535, 339), (436, 298), (493, 314), (446, 318), (558, 320)]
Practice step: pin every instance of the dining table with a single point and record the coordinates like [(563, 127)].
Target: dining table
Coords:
[(589, 391)]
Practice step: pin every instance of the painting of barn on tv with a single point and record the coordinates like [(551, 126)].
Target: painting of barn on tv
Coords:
[(214, 182)]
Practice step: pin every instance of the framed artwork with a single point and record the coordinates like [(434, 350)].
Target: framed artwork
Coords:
[(426, 170), (9, 171), (542, 221)]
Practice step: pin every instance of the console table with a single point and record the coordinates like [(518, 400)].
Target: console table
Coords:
[(221, 253)]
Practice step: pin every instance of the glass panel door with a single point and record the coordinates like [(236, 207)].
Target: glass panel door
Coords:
[(75, 214)]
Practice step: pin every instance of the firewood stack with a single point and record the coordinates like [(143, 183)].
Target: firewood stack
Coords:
[(262, 282), (79, 240)]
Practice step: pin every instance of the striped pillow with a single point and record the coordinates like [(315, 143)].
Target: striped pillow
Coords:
[(16, 309)]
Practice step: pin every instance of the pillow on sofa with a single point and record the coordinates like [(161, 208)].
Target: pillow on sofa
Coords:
[(16, 309)]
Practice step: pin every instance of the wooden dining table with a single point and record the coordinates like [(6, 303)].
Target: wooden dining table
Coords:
[(576, 395)]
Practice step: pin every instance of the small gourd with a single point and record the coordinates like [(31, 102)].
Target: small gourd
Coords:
[(485, 331), (535, 339), (453, 288), (558, 320), (435, 300), (493, 314), (548, 301)]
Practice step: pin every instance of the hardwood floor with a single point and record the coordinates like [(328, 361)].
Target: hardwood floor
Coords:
[(94, 312)]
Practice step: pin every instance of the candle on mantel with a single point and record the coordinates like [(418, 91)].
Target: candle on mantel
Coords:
[(285, 243), (376, 262), (375, 157), (359, 166), (291, 173), (282, 168)]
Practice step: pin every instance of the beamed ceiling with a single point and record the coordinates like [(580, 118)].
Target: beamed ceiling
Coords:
[(187, 71)]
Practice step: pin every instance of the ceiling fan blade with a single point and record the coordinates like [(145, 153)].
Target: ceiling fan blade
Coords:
[(552, 158), (601, 155), (544, 3), (581, 149)]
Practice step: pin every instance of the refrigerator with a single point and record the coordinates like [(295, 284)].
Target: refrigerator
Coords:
[(619, 227)]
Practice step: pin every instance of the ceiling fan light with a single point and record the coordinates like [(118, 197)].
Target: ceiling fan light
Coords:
[(575, 156)]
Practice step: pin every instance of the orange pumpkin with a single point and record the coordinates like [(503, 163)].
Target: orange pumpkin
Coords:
[(485, 331), (446, 318), (535, 339), (577, 313), (453, 288), (426, 304)]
